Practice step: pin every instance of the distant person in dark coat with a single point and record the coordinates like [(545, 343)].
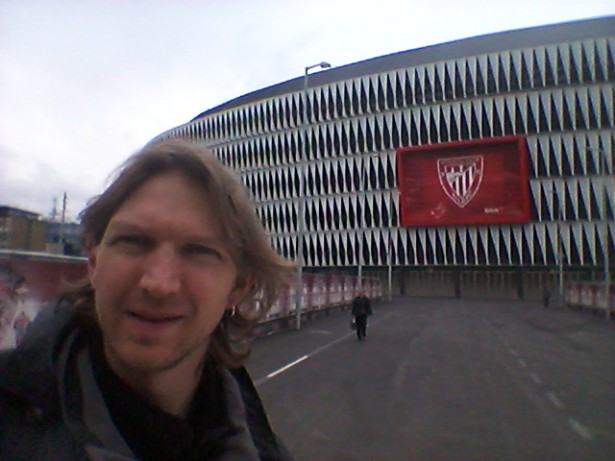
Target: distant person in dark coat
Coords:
[(361, 309), (546, 296)]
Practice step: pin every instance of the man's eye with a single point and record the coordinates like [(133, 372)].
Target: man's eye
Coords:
[(136, 241), (201, 250)]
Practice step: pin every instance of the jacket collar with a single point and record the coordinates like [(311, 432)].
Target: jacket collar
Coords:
[(32, 371)]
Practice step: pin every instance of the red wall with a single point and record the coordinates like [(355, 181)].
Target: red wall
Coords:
[(43, 279)]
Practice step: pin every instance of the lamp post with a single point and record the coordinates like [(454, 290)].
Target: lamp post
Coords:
[(555, 198), (560, 252), (363, 191), (607, 241), (603, 170), (390, 249), (360, 229), (301, 227)]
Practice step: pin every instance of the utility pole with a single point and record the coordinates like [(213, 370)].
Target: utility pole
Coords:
[(301, 225), (604, 162), (603, 171), (390, 248), (63, 220)]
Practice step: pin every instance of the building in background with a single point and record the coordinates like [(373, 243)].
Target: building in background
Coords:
[(25, 230), (22, 230), (325, 145)]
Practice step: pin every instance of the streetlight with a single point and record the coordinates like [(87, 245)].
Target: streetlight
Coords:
[(390, 248), (560, 250), (556, 201), (603, 170), (302, 195), (556, 197), (360, 228), (607, 241)]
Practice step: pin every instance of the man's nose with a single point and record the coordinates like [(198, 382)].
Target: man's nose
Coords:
[(161, 274)]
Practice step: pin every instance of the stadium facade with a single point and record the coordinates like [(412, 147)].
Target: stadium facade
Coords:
[(336, 134)]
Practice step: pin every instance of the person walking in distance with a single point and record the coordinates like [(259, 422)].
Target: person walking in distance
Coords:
[(546, 296), (361, 309)]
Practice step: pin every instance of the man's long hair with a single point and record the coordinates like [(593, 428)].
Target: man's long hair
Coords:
[(255, 259)]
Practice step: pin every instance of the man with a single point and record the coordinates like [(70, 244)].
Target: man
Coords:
[(361, 309), (144, 360)]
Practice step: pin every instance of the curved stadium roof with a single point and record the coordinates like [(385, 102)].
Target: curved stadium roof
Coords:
[(519, 38)]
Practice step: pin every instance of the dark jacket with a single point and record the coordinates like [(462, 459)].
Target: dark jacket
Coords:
[(361, 306), (51, 407)]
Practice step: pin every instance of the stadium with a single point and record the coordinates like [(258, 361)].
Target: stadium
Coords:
[(479, 167)]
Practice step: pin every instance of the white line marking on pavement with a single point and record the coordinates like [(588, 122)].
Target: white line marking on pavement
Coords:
[(536, 378), (301, 359), (259, 381), (331, 343), (320, 332), (576, 426), (286, 367), (555, 400), (580, 429)]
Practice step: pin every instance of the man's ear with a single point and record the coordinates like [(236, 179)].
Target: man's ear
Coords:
[(92, 255), (243, 286)]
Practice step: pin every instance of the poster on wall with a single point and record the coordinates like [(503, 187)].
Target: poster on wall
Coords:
[(29, 281), (464, 183)]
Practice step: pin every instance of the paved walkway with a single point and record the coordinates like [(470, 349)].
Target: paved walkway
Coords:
[(444, 379)]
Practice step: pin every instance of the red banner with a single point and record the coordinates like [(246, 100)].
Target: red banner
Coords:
[(474, 182)]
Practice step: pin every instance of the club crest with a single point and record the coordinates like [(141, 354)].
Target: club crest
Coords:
[(461, 177)]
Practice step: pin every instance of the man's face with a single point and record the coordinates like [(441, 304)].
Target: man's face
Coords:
[(162, 278)]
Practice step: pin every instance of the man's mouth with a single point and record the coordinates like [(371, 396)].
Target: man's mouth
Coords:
[(154, 317)]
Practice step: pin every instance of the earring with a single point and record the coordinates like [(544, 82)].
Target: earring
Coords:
[(233, 310)]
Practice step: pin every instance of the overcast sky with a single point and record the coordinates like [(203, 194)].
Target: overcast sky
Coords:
[(85, 83)]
